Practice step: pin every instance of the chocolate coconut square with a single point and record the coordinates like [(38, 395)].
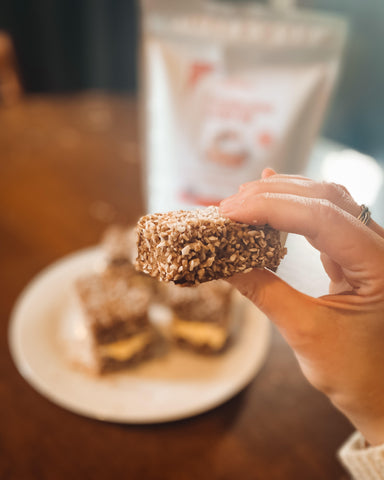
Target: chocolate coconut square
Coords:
[(116, 318), (119, 245), (120, 251), (192, 247), (201, 315)]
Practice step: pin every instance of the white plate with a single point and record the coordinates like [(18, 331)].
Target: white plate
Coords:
[(179, 385)]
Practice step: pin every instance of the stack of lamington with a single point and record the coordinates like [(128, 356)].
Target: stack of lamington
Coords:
[(195, 249), (118, 318), (190, 248), (115, 307)]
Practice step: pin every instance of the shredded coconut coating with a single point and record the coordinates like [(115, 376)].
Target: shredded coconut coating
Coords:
[(119, 245), (192, 247), (207, 303), (108, 299)]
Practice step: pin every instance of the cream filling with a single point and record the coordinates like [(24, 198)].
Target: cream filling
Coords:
[(200, 333), (127, 348)]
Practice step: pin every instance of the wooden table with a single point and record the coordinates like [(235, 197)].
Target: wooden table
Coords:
[(69, 166)]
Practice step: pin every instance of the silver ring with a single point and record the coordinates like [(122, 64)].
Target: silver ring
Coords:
[(364, 215)]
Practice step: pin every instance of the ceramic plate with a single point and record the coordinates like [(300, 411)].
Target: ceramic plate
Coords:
[(178, 385)]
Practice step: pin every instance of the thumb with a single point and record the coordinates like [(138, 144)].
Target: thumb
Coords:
[(281, 303)]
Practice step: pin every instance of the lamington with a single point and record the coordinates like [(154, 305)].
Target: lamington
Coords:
[(119, 245), (115, 314), (196, 246), (120, 251), (201, 315)]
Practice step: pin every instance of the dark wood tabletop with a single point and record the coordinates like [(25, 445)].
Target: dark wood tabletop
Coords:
[(70, 166)]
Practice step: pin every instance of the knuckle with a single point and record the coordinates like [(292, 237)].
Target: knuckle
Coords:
[(266, 195), (333, 191), (324, 210), (343, 190)]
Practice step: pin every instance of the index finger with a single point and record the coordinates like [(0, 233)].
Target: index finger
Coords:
[(356, 248)]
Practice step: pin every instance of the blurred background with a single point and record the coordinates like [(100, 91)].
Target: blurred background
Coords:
[(75, 45), (72, 164)]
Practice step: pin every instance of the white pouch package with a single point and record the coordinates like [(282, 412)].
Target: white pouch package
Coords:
[(229, 89)]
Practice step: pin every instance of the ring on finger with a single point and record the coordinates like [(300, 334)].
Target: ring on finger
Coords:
[(364, 215)]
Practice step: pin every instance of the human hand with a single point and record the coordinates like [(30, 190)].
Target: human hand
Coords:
[(338, 338)]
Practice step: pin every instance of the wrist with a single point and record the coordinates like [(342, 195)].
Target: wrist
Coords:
[(370, 423), (373, 432)]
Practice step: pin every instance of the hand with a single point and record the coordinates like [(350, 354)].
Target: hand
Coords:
[(338, 338)]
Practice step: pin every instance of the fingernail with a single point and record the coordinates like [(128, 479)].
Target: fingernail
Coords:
[(267, 172), (244, 186), (225, 206), (231, 203), (228, 200)]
